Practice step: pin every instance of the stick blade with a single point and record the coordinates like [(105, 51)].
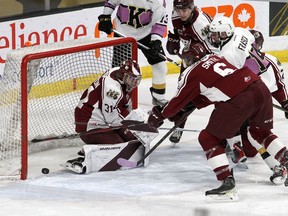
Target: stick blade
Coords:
[(126, 163)]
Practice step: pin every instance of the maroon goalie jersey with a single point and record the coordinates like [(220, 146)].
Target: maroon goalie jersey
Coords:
[(209, 81)]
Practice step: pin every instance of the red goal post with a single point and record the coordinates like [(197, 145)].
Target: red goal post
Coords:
[(41, 86)]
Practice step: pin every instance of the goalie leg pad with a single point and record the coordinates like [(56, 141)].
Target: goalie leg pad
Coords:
[(104, 157)]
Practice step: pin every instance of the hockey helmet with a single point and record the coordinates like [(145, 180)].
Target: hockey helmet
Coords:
[(221, 29), (259, 39), (182, 4), (131, 74), (193, 53)]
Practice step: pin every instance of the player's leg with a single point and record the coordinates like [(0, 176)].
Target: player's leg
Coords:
[(159, 71), (218, 161), (261, 123)]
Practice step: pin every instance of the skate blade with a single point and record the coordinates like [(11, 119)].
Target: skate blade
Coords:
[(243, 165), (279, 180), (75, 169), (227, 197), (173, 145)]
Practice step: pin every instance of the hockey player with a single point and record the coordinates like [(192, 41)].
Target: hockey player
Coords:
[(210, 79), (99, 121), (146, 21), (240, 48), (188, 22), (273, 72)]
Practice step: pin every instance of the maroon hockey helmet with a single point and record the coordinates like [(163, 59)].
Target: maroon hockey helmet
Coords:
[(131, 74), (182, 4), (193, 53), (259, 39)]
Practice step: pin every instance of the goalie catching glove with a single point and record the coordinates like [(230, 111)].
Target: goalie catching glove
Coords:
[(105, 23), (156, 119)]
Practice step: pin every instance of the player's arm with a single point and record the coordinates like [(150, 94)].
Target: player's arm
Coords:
[(159, 26), (105, 23)]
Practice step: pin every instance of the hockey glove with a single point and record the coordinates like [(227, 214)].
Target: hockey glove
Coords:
[(156, 47), (183, 114), (105, 23), (179, 117), (284, 104), (173, 43), (155, 119)]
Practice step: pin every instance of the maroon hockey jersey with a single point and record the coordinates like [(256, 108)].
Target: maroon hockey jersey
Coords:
[(209, 81)]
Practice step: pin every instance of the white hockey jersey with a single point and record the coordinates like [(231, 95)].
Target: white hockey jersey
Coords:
[(139, 18), (237, 49)]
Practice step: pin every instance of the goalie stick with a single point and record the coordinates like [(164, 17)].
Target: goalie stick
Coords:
[(130, 125), (180, 129), (133, 164), (147, 48)]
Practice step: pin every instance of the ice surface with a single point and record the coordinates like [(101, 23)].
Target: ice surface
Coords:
[(173, 184)]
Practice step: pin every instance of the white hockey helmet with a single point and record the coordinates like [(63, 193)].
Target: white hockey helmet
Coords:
[(222, 24), (221, 29)]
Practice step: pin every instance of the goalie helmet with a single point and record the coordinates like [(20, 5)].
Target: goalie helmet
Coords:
[(130, 73), (183, 4), (192, 54), (259, 39), (221, 29)]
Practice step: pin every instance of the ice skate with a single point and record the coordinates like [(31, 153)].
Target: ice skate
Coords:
[(76, 165), (176, 136), (226, 192), (238, 156), (284, 162), (81, 153), (279, 175), (157, 99)]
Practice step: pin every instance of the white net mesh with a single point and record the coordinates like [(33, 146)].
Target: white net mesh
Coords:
[(55, 84)]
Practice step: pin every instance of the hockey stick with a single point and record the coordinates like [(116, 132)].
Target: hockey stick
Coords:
[(77, 135), (180, 129), (280, 108), (133, 164), (147, 48)]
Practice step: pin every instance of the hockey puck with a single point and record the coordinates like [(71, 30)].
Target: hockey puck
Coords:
[(45, 171)]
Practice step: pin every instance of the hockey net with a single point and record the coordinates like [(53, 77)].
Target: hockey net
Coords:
[(40, 88)]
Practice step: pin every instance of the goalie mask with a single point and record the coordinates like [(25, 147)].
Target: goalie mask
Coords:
[(259, 39), (192, 54), (130, 74), (221, 29)]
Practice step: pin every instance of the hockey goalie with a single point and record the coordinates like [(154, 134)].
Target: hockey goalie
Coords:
[(107, 124)]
